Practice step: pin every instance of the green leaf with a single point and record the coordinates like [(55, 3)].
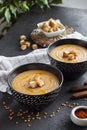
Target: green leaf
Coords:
[(25, 6), (56, 1), (7, 15), (42, 3), (13, 10), (2, 10), (45, 2), (16, 3), (30, 2), (1, 1)]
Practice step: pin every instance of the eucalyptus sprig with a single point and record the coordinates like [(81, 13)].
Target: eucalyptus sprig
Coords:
[(10, 9)]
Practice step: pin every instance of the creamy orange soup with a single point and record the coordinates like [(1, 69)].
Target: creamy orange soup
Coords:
[(21, 82), (80, 53)]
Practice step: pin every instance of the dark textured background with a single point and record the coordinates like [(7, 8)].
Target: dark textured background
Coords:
[(9, 46)]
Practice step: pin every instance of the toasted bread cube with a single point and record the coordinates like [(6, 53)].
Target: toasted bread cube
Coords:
[(34, 46), (27, 44), (23, 37), (71, 57), (23, 47), (22, 42), (33, 84), (39, 81), (65, 54), (52, 22)]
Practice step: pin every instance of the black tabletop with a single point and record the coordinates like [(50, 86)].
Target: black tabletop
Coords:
[(9, 46)]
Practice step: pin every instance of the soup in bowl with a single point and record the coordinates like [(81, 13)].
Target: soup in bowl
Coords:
[(35, 84), (70, 56)]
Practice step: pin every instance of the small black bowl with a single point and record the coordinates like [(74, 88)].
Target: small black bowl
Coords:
[(35, 101), (70, 70)]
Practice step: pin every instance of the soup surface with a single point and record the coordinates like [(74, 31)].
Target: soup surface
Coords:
[(35, 82), (69, 53)]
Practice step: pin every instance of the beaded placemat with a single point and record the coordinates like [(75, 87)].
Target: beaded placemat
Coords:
[(38, 37)]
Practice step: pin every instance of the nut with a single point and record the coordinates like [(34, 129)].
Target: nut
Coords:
[(23, 37), (34, 46)]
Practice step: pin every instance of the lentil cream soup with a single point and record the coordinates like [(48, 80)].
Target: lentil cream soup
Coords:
[(69, 53), (35, 82)]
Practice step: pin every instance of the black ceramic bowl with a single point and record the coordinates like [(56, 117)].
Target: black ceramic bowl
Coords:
[(35, 101), (69, 70)]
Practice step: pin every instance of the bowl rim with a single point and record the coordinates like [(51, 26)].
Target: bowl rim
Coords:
[(60, 85), (75, 109), (48, 48)]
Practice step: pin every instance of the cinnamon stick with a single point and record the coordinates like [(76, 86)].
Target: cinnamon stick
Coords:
[(79, 94), (79, 88)]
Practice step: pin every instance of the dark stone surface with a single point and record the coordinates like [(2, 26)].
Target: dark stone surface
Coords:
[(9, 47)]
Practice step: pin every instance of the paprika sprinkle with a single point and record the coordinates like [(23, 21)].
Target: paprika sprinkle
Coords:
[(81, 113)]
